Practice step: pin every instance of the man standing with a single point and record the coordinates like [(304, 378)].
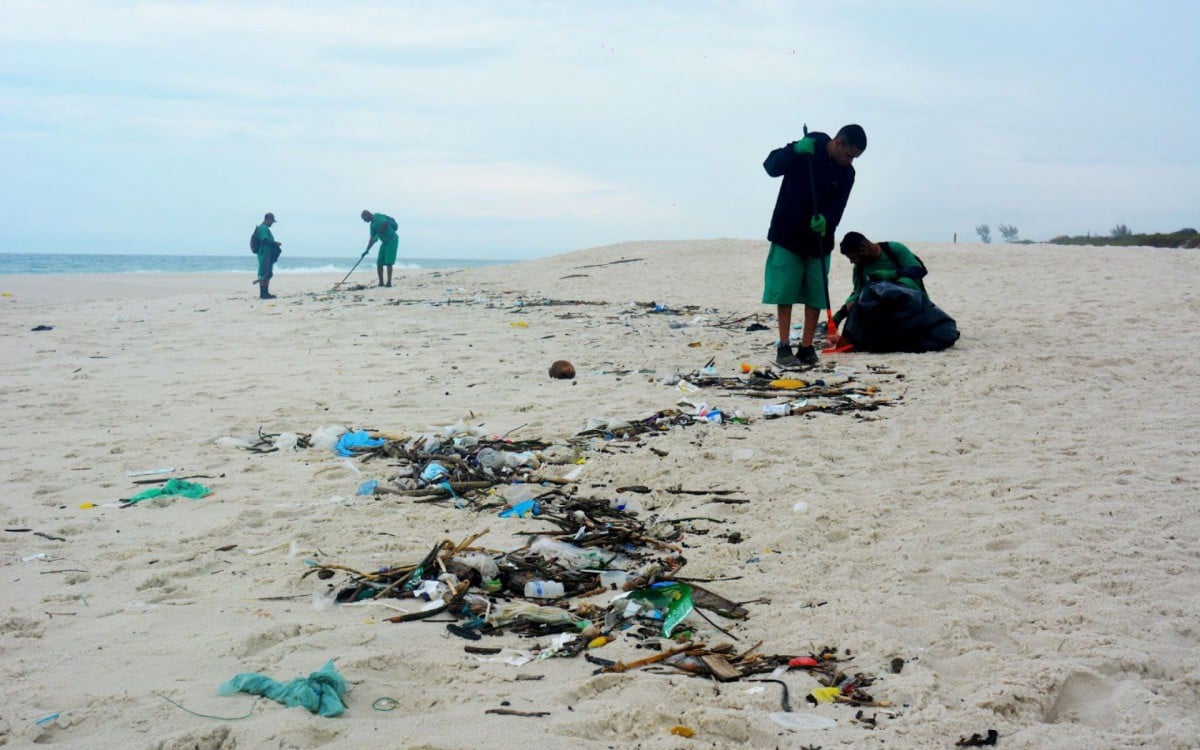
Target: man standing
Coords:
[(817, 179), (267, 250), (383, 229)]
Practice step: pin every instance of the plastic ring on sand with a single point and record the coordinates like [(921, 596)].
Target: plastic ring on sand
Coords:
[(385, 704)]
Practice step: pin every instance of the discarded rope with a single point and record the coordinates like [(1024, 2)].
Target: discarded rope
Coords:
[(210, 716)]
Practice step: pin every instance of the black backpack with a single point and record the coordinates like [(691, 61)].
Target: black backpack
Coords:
[(254, 241)]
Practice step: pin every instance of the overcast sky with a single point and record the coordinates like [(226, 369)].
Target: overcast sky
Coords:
[(522, 129)]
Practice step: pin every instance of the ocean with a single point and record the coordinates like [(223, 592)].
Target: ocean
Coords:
[(246, 263)]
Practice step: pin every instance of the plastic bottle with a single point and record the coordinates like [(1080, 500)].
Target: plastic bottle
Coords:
[(831, 380), (777, 410), (610, 578), (625, 504), (543, 589)]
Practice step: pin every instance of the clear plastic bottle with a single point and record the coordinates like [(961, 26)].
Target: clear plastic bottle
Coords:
[(626, 504), (543, 589), (777, 410)]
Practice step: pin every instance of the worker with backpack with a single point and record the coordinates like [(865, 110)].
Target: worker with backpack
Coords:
[(263, 244)]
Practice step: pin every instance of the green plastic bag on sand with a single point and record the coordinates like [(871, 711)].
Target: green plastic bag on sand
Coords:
[(321, 692), (174, 487), (674, 598)]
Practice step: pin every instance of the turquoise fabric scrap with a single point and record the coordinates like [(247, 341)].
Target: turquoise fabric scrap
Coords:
[(321, 692), (174, 487)]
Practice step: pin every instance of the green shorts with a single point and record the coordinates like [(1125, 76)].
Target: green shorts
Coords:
[(792, 280), (387, 251)]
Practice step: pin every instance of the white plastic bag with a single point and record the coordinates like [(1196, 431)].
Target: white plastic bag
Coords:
[(326, 438)]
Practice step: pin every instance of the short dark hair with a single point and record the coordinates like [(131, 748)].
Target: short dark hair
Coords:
[(853, 241), (854, 135)]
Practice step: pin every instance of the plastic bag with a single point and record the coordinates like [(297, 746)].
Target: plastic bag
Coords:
[(326, 438), (577, 558)]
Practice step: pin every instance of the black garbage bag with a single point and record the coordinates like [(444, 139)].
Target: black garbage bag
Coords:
[(889, 317)]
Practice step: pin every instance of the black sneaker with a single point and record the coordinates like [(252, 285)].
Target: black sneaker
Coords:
[(807, 356), (784, 357)]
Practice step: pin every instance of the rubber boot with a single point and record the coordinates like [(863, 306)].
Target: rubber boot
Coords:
[(264, 290)]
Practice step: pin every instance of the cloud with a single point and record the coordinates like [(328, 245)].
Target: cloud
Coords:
[(593, 122)]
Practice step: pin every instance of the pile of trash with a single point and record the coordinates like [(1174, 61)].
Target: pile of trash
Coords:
[(612, 576), (831, 390)]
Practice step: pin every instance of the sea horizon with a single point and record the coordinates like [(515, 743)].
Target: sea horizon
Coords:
[(96, 263)]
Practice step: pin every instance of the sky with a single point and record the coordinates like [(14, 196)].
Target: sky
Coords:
[(506, 130)]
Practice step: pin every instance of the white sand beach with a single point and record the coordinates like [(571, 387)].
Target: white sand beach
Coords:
[(1019, 526)]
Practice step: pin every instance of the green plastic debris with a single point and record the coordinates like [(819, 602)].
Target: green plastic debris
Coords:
[(321, 692), (674, 598), (174, 487)]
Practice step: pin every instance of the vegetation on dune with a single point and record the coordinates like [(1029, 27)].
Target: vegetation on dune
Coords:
[(1122, 236)]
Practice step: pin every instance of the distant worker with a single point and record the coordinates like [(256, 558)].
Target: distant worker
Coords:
[(817, 179), (889, 309), (268, 250), (383, 229)]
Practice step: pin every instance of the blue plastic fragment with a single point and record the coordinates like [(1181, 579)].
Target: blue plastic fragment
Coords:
[(434, 473), (522, 509), (358, 439)]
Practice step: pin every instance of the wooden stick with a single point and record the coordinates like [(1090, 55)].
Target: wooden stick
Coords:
[(623, 667)]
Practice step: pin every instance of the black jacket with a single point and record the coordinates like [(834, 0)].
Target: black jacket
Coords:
[(794, 206)]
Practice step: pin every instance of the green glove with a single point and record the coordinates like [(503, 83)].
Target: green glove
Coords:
[(804, 146), (817, 225)]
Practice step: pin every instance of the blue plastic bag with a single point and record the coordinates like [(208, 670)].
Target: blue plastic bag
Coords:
[(358, 439)]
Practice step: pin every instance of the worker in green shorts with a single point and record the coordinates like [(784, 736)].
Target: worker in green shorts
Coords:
[(817, 179), (383, 230)]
